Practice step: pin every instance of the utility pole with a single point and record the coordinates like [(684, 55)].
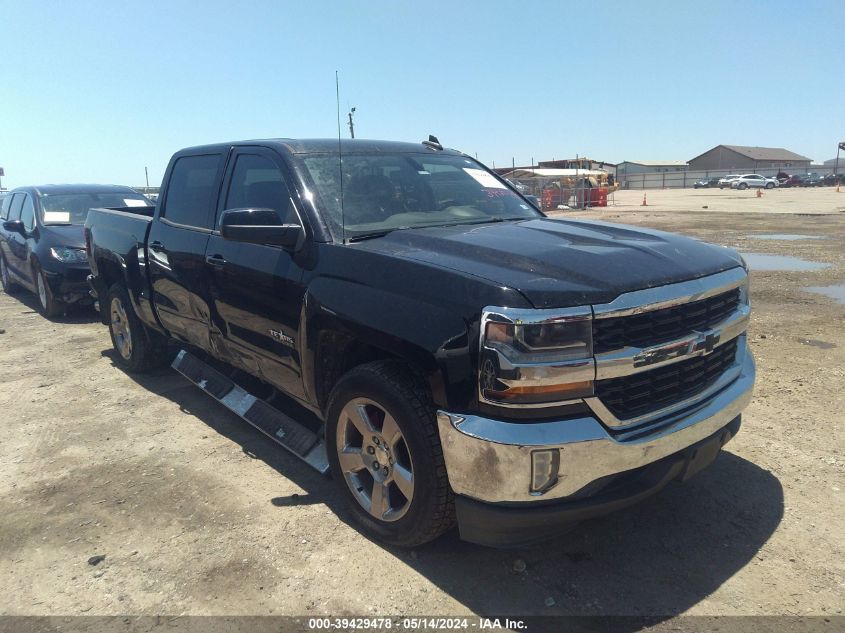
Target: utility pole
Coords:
[(147, 176), (351, 124)]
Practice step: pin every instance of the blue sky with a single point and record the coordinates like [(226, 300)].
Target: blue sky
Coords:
[(96, 91)]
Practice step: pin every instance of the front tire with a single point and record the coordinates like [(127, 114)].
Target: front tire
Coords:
[(385, 454), (50, 306), (138, 349), (9, 286), (770, 185)]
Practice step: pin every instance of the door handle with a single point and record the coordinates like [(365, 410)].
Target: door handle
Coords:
[(216, 261), (156, 246)]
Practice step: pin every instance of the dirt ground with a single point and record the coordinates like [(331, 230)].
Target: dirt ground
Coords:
[(197, 513), (790, 200)]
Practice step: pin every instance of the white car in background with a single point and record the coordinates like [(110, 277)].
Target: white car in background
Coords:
[(725, 181), (753, 180)]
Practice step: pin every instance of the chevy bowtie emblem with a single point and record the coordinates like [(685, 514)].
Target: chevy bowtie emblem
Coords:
[(704, 343), (707, 341)]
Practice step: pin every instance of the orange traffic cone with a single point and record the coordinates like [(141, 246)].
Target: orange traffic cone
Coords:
[(759, 193), (644, 204)]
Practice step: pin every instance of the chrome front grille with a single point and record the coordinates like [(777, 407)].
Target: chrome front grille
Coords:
[(661, 350), (657, 326), (632, 396)]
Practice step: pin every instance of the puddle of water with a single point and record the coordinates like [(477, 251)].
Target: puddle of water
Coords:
[(834, 292), (786, 237), (761, 261), (814, 343)]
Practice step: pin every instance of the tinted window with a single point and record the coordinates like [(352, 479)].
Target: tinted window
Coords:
[(4, 209), (191, 192), (28, 213), (257, 183), (15, 208)]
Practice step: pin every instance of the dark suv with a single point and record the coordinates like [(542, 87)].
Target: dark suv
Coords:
[(41, 242)]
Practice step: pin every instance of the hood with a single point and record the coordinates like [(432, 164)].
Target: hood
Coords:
[(70, 235), (559, 263)]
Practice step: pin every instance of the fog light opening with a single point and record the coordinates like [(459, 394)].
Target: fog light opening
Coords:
[(545, 466)]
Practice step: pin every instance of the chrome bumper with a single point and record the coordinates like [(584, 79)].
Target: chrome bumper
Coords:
[(490, 460)]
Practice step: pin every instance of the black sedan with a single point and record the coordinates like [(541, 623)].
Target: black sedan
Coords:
[(42, 246), (706, 183)]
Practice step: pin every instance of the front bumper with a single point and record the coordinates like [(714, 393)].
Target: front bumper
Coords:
[(489, 460), (70, 285), (502, 525)]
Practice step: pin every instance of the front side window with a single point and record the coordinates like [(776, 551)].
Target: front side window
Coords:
[(384, 192), (15, 208), (28, 213), (72, 208), (191, 191), (258, 183)]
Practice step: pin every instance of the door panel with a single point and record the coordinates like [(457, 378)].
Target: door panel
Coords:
[(256, 291), (20, 246), (14, 246), (178, 279)]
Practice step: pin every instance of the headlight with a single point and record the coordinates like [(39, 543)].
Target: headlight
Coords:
[(69, 255), (535, 357)]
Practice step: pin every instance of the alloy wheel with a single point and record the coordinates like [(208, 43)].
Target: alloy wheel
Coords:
[(375, 459), (42, 289), (120, 328)]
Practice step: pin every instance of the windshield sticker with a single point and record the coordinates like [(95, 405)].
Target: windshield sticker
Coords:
[(484, 179), (131, 202), (57, 216), (496, 193)]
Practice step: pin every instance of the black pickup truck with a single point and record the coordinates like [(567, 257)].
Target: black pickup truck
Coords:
[(466, 358)]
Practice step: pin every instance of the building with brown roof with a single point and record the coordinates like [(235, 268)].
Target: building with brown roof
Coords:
[(742, 158)]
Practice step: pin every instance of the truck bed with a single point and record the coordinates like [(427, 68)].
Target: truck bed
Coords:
[(117, 243)]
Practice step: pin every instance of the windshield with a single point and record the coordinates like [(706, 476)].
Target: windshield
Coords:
[(385, 192), (72, 208)]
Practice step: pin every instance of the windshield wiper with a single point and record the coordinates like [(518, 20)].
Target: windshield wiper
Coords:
[(493, 220), (373, 235)]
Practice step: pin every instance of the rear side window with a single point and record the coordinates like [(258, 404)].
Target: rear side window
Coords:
[(28, 213), (192, 190), (257, 183), (4, 209), (15, 208)]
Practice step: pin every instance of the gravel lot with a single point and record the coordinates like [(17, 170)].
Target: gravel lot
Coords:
[(196, 513)]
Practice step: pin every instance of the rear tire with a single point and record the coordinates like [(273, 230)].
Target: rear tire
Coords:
[(381, 413), (742, 185), (9, 286), (138, 348), (50, 306)]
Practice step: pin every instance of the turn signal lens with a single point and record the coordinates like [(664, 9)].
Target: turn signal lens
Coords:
[(545, 393)]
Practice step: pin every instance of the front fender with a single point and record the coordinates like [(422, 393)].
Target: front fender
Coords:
[(431, 338)]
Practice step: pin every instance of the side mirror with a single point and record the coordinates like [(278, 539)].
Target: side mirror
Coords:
[(14, 226), (260, 226)]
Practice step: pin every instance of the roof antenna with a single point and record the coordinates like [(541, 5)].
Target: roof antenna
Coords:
[(432, 142), (340, 160)]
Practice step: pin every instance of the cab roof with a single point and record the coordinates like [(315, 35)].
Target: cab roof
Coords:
[(328, 146)]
